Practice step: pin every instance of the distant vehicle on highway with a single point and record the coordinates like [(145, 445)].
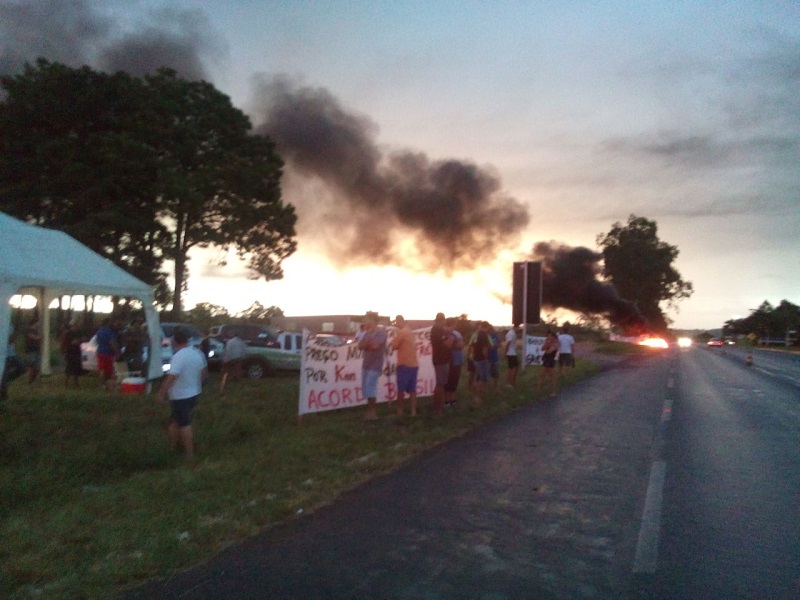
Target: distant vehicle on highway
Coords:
[(714, 342)]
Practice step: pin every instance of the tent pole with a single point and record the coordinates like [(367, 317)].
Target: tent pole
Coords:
[(43, 299)]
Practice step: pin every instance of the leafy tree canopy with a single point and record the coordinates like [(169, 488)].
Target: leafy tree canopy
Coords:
[(141, 170), (767, 321), (641, 268), (257, 312)]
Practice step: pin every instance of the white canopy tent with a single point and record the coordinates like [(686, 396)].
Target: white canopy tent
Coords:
[(48, 264)]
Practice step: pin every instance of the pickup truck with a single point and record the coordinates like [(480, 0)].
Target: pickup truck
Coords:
[(282, 354)]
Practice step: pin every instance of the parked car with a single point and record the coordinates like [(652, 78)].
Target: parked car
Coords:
[(195, 337), (89, 353), (265, 360), (215, 347), (329, 339), (215, 351)]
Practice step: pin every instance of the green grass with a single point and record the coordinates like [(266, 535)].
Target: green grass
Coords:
[(92, 500)]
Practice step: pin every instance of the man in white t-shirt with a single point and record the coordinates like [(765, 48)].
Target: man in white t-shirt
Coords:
[(232, 360), (566, 348), (511, 356), (183, 383)]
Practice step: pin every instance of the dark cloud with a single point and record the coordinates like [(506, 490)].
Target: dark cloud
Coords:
[(59, 30), (571, 280), (181, 40), (703, 152), (78, 32), (375, 200)]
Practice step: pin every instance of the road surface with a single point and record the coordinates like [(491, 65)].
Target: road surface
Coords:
[(670, 476)]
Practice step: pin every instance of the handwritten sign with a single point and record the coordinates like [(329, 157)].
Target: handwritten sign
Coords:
[(533, 350), (330, 376)]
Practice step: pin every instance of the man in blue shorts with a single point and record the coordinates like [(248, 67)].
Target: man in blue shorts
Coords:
[(183, 383), (479, 350), (407, 365), (373, 345)]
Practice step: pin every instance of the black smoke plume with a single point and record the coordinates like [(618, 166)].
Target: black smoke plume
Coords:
[(369, 202), (79, 32), (571, 279)]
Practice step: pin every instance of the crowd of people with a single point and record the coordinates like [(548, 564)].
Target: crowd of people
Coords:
[(188, 369), (449, 352)]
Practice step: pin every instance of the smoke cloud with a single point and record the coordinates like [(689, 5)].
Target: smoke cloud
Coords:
[(570, 279), (79, 32), (181, 40), (382, 207)]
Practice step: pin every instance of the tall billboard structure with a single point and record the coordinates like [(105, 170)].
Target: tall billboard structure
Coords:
[(526, 293)]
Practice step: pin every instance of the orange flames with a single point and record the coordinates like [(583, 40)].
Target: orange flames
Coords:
[(654, 342)]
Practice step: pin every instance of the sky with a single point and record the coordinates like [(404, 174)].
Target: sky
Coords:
[(429, 145)]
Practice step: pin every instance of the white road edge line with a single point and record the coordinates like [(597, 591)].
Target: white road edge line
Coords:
[(646, 558)]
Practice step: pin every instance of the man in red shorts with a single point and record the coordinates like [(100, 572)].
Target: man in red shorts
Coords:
[(107, 352)]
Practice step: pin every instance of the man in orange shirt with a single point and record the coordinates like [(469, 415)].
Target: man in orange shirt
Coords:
[(407, 365)]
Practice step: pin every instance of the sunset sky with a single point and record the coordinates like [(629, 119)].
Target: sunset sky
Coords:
[(557, 118)]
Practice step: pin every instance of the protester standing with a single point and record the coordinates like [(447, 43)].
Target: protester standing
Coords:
[(566, 345), (107, 352), (407, 365), (456, 363), (548, 372), (373, 345), (479, 349), (494, 356), (232, 359), (182, 385), (442, 354), (14, 366), (71, 349), (511, 356)]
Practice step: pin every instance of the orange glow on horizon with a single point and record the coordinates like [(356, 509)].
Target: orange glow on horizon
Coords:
[(654, 343)]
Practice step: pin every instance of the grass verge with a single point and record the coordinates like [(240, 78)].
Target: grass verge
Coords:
[(92, 501)]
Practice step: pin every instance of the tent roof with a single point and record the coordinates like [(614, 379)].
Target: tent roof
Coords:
[(37, 257)]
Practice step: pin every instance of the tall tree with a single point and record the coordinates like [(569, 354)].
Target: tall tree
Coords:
[(220, 183), (141, 170), (641, 268), (73, 157)]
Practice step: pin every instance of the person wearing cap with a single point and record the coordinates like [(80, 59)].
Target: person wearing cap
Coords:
[(407, 365), (373, 345)]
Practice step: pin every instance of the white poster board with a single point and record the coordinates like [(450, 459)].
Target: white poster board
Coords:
[(533, 350)]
